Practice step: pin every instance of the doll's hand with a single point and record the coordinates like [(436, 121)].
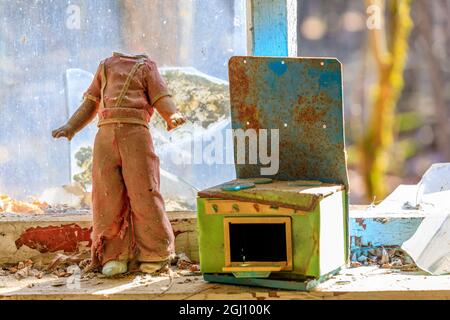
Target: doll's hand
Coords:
[(176, 120), (64, 131)]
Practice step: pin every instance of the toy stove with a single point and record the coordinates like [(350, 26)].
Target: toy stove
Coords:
[(288, 230)]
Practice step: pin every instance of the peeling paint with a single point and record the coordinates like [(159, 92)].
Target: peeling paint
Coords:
[(67, 238), (360, 222)]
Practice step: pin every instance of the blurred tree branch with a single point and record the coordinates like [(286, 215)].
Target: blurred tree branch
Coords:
[(389, 48)]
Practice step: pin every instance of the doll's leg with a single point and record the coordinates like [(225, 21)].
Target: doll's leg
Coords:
[(153, 231), (110, 205)]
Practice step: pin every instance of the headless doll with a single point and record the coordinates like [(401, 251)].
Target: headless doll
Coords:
[(129, 219)]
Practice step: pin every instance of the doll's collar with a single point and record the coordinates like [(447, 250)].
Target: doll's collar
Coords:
[(132, 56)]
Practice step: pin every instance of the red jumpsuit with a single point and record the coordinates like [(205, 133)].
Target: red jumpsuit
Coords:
[(129, 219)]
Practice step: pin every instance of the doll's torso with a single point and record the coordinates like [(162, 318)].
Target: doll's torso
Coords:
[(130, 82), (117, 69)]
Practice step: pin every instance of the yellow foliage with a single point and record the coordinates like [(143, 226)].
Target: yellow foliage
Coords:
[(390, 57)]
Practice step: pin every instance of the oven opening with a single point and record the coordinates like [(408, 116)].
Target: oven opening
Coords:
[(257, 242)]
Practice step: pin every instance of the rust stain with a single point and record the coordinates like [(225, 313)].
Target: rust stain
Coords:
[(55, 238), (325, 98), (248, 115), (241, 81), (306, 113), (301, 99), (309, 115), (273, 294)]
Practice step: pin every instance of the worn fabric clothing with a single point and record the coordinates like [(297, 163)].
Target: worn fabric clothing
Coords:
[(123, 115), (146, 87), (128, 209), (129, 220)]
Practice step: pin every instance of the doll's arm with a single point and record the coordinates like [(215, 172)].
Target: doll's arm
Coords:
[(167, 109), (83, 116), (86, 111), (159, 96)]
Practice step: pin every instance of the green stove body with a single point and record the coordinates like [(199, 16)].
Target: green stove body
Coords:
[(289, 228)]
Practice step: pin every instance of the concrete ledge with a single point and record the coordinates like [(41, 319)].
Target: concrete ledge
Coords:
[(26, 236), (41, 237)]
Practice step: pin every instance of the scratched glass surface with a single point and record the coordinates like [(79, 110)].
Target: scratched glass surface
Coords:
[(48, 53)]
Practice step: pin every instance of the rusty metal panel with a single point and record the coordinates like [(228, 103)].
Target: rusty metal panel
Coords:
[(302, 97)]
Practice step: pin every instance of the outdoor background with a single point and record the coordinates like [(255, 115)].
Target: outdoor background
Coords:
[(396, 76)]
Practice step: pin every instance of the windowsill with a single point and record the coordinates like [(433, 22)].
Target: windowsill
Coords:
[(75, 215)]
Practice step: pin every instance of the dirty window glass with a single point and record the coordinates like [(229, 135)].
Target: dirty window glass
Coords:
[(48, 53)]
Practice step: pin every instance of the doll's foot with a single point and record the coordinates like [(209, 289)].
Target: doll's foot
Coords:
[(152, 267), (114, 267)]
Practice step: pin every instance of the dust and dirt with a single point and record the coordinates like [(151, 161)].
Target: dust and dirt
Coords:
[(383, 257)]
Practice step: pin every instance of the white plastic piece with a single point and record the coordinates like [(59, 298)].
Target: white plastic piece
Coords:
[(430, 245), (434, 187)]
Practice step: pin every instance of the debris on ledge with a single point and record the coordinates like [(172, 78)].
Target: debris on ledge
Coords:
[(428, 248)]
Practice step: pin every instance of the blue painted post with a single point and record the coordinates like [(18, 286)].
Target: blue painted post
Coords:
[(268, 28)]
